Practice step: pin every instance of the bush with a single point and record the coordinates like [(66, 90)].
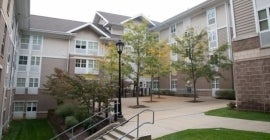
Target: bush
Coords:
[(81, 114), (225, 94), (65, 110), (71, 121), (231, 105)]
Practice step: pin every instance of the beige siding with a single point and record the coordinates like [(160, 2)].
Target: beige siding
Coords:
[(179, 29), (117, 30), (47, 68), (244, 17), (198, 22), (164, 34), (222, 36), (57, 48), (221, 16)]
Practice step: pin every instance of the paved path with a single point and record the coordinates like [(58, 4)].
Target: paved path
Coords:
[(173, 114)]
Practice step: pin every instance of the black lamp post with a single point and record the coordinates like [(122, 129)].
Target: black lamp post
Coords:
[(120, 47)]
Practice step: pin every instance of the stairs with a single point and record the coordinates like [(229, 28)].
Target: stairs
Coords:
[(116, 135)]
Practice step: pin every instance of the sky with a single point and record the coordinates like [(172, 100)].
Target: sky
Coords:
[(84, 10)]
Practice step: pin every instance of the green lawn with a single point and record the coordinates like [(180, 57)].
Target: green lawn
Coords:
[(215, 134), (247, 115), (38, 129)]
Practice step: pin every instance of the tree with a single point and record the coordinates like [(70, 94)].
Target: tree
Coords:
[(138, 36), (84, 92), (157, 61), (195, 62), (110, 69)]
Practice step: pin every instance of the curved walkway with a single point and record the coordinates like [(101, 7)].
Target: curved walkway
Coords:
[(173, 114)]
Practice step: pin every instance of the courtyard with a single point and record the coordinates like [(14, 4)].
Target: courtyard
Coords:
[(173, 114)]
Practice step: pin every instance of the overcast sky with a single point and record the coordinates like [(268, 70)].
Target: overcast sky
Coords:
[(84, 10)]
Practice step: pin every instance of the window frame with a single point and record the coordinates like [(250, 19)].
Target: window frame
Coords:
[(211, 14), (23, 61), (80, 63), (267, 9), (21, 106), (33, 82), (21, 82)]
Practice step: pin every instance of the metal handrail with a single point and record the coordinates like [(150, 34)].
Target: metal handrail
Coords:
[(72, 128), (138, 124), (96, 124)]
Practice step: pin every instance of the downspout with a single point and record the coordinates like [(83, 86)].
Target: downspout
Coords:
[(234, 36)]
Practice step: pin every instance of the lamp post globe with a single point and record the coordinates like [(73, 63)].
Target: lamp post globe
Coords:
[(120, 46)]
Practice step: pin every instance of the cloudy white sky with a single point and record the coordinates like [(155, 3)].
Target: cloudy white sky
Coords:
[(84, 10)]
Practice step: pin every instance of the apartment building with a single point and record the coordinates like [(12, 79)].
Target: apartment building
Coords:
[(13, 18), (213, 16), (251, 50), (72, 46)]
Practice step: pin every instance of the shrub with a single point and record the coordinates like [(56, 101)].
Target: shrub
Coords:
[(71, 121), (65, 110), (225, 94), (81, 114), (231, 105)]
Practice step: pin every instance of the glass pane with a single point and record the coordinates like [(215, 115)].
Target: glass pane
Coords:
[(263, 25), (28, 108), (262, 14)]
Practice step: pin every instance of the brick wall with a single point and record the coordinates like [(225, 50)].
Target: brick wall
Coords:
[(252, 81), (246, 44)]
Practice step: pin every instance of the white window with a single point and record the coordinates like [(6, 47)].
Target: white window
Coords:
[(31, 106), (25, 41), (174, 56), (80, 44), (174, 84), (21, 82), (84, 47), (19, 106), (155, 84), (92, 64), (23, 60), (215, 83), (211, 16), (212, 38), (173, 29), (33, 82), (264, 18), (80, 63), (37, 40), (93, 48), (35, 61)]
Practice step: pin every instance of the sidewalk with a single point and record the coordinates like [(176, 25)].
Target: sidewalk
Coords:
[(173, 114)]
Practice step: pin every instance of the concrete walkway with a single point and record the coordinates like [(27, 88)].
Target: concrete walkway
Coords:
[(173, 114)]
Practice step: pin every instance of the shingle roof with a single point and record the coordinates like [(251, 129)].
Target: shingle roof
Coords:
[(53, 24), (114, 18)]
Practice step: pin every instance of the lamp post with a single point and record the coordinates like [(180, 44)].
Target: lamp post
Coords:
[(120, 46)]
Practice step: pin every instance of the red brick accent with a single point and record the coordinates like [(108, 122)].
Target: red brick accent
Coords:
[(252, 83), (246, 44)]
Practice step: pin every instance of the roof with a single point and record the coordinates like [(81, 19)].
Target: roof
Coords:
[(53, 24), (113, 18), (116, 19), (187, 13)]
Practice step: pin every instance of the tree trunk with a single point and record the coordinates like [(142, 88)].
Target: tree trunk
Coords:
[(151, 95)]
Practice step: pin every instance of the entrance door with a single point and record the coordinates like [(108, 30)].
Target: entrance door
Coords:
[(215, 86), (31, 110)]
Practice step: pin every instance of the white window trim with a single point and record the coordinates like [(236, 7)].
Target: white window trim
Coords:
[(216, 33), (87, 50), (268, 19), (174, 84), (215, 17)]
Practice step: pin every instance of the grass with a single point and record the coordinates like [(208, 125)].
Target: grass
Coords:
[(247, 115), (215, 134), (38, 129)]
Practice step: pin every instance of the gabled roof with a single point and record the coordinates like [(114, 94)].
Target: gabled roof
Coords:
[(53, 24), (92, 26), (60, 26), (114, 19), (139, 16)]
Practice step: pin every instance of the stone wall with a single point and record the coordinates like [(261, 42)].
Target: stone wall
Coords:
[(252, 83)]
